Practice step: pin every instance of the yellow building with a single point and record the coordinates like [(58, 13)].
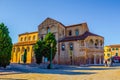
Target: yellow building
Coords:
[(111, 51), (25, 41)]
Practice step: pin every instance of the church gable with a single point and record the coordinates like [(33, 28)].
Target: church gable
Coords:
[(48, 22)]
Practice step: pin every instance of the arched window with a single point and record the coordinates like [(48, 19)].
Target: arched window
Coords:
[(18, 49), (21, 39), (101, 43), (108, 54), (29, 38), (77, 32), (34, 38), (48, 29), (71, 46), (70, 32), (91, 42), (63, 47), (116, 54), (96, 43)]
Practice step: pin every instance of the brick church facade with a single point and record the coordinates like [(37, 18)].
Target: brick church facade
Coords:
[(76, 45)]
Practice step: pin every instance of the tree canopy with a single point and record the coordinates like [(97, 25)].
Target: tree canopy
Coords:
[(43, 47), (5, 46)]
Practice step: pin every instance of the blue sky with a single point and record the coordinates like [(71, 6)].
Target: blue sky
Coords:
[(102, 16)]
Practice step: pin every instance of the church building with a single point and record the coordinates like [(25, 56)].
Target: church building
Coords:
[(76, 45)]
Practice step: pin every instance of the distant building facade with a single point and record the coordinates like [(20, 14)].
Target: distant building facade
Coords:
[(111, 51), (25, 41), (76, 45)]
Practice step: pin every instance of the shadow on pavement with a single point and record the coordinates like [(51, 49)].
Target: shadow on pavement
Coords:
[(11, 79), (60, 69)]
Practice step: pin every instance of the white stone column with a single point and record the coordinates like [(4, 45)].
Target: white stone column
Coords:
[(94, 59), (100, 59)]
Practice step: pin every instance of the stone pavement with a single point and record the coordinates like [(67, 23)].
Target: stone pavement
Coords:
[(60, 72)]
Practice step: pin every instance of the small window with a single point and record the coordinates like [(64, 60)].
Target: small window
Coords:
[(48, 29), (109, 49), (63, 47), (29, 38), (41, 37), (108, 55), (54, 35), (77, 32), (70, 33), (116, 54), (112, 48), (116, 48), (71, 46), (25, 39), (34, 38), (63, 32)]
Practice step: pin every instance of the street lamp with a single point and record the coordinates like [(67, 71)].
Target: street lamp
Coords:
[(51, 56)]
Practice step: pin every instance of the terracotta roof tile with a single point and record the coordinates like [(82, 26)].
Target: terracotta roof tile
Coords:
[(74, 25), (81, 37)]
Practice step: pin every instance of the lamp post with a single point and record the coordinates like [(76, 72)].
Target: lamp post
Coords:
[(51, 56)]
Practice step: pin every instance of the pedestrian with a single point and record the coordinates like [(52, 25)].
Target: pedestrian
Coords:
[(106, 63)]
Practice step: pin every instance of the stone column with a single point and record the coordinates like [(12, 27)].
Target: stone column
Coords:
[(100, 59), (94, 59)]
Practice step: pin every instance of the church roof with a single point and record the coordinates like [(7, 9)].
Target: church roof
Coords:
[(81, 37), (51, 21), (28, 33), (74, 25)]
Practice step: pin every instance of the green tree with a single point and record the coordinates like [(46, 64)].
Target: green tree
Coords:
[(42, 48), (25, 56), (39, 49), (5, 46), (50, 39)]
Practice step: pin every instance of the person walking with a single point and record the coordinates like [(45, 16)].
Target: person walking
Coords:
[(105, 63)]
